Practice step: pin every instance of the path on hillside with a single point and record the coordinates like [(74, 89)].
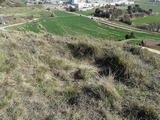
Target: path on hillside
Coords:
[(12, 25), (152, 50), (149, 49)]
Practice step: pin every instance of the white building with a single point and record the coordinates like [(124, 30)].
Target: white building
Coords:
[(81, 4)]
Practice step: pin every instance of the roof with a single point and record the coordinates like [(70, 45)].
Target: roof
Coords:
[(152, 43)]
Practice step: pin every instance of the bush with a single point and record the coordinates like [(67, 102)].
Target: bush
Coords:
[(126, 19), (83, 50), (131, 36), (84, 74), (71, 9)]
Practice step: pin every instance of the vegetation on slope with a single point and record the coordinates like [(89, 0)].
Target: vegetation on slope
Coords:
[(49, 77)]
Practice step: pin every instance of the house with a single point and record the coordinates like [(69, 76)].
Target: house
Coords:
[(150, 43)]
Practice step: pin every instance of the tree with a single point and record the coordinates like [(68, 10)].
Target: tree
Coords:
[(126, 19)]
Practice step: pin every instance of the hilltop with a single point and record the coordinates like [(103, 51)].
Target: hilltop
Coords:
[(44, 76)]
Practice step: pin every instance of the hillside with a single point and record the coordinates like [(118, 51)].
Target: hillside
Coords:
[(43, 76)]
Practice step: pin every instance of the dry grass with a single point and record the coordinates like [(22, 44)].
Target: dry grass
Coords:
[(76, 78)]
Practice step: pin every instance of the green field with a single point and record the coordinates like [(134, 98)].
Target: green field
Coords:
[(154, 8), (88, 12), (145, 20), (65, 23), (148, 19)]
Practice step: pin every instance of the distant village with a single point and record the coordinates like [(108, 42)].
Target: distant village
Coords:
[(83, 4)]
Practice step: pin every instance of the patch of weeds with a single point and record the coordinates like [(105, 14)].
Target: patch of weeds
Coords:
[(56, 64), (19, 79), (10, 94), (37, 107), (49, 89), (150, 59), (112, 64), (49, 117), (1, 59), (135, 50), (102, 92), (70, 91), (84, 74), (53, 63), (9, 64), (140, 112), (144, 55), (83, 50), (2, 117), (27, 91), (68, 67), (40, 72), (14, 113), (13, 45), (3, 103), (72, 96)]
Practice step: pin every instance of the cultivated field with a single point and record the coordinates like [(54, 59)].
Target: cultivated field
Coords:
[(88, 12), (65, 23), (148, 19)]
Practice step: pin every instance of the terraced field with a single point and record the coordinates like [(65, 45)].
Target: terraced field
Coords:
[(65, 23), (148, 19), (145, 20)]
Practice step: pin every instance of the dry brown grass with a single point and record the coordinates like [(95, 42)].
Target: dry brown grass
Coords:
[(76, 78)]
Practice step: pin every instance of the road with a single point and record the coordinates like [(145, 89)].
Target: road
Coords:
[(4, 27), (110, 24), (119, 27)]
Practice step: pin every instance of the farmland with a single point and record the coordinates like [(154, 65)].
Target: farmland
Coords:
[(145, 20), (88, 12), (148, 19), (66, 23)]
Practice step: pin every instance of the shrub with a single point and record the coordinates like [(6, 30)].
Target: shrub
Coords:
[(84, 74), (112, 64), (126, 19), (100, 92), (83, 50), (39, 73), (72, 96), (131, 36)]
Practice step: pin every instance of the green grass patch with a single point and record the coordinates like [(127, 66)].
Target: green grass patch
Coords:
[(147, 7), (135, 41), (66, 23), (146, 20), (88, 12)]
